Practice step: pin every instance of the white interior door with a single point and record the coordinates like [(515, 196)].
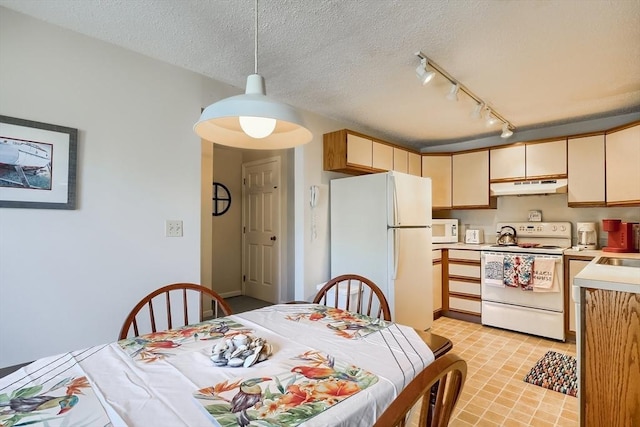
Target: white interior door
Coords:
[(261, 226)]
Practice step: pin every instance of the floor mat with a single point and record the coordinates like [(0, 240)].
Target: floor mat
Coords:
[(555, 371)]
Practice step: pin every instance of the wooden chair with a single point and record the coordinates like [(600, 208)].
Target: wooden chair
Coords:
[(447, 374), (161, 317), (369, 299)]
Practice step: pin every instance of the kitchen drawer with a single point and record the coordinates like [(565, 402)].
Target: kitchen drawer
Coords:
[(464, 304), (463, 255), (464, 270), (460, 287), (436, 255)]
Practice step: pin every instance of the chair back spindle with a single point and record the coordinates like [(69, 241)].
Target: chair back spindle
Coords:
[(160, 317), (369, 298)]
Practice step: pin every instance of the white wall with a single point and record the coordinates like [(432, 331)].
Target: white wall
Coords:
[(69, 278), (227, 228)]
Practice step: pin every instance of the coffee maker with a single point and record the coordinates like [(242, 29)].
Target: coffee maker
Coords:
[(620, 236), (587, 235)]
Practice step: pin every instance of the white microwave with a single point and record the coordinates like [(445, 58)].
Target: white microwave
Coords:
[(444, 231)]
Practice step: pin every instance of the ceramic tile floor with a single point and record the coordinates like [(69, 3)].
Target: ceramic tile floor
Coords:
[(494, 393)]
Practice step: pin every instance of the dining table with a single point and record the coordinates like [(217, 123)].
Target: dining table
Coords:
[(281, 365)]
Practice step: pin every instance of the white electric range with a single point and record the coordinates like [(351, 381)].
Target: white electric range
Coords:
[(530, 311)]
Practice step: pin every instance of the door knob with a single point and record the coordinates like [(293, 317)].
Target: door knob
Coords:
[(273, 238)]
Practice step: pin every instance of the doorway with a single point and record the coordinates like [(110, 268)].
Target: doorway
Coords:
[(261, 245)]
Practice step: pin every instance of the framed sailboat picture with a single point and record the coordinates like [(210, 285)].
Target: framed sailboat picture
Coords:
[(37, 164)]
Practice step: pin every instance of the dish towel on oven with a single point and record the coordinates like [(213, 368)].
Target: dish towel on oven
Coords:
[(518, 271), (544, 277), (494, 270)]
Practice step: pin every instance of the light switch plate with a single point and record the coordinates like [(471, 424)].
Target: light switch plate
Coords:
[(173, 228)]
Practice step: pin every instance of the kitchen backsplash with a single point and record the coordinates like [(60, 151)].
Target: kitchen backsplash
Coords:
[(553, 207)]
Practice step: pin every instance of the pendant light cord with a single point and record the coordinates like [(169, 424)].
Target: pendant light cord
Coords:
[(256, 41)]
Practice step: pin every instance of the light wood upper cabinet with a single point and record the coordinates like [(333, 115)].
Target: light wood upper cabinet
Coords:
[(529, 161), (507, 162), (400, 160), (470, 182), (415, 164), (622, 166), (359, 150), (438, 168), (406, 161), (351, 152), (547, 159), (585, 171), (382, 156)]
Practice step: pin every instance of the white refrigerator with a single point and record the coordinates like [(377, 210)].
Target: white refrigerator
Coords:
[(381, 229)]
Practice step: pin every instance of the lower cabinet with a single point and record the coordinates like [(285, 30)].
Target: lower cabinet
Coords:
[(437, 283), (575, 267), (610, 373), (462, 285)]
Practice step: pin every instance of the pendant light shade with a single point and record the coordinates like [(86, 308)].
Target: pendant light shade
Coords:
[(253, 120), (228, 122)]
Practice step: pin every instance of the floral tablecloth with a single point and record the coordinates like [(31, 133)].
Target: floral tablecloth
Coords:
[(326, 367)]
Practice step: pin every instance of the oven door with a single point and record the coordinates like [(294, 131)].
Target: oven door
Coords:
[(553, 301)]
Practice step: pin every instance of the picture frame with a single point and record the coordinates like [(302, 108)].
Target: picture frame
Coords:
[(38, 163)]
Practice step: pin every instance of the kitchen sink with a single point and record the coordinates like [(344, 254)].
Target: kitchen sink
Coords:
[(624, 262)]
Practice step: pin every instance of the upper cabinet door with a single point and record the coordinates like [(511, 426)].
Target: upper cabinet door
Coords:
[(438, 168), (507, 163), (359, 150), (547, 159), (415, 164), (400, 160), (585, 171), (623, 166), (382, 156), (471, 181)]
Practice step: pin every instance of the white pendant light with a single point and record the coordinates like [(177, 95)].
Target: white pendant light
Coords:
[(253, 120)]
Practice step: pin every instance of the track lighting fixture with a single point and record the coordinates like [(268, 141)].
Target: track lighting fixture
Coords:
[(506, 132), (491, 119), (477, 111), (453, 92), (424, 74), (426, 71)]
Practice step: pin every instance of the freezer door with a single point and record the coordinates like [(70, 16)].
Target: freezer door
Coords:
[(409, 200), (411, 287)]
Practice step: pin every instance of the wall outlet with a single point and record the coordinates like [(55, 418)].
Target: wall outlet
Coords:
[(173, 228)]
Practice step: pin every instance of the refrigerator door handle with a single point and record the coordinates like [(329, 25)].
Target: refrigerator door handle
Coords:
[(395, 219), (396, 253)]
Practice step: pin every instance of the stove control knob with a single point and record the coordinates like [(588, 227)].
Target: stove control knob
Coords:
[(554, 227), (562, 228)]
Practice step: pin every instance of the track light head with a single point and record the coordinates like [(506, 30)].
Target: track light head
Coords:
[(491, 120), (506, 132), (453, 92), (424, 74), (477, 111)]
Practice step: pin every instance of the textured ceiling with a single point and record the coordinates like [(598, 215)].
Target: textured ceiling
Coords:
[(538, 63)]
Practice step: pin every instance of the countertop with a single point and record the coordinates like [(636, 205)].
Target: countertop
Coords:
[(610, 277), (458, 245)]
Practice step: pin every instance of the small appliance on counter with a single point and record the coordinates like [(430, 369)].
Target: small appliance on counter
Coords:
[(444, 230), (474, 236), (587, 235), (620, 236)]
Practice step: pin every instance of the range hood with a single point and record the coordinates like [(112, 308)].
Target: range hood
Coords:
[(526, 188)]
